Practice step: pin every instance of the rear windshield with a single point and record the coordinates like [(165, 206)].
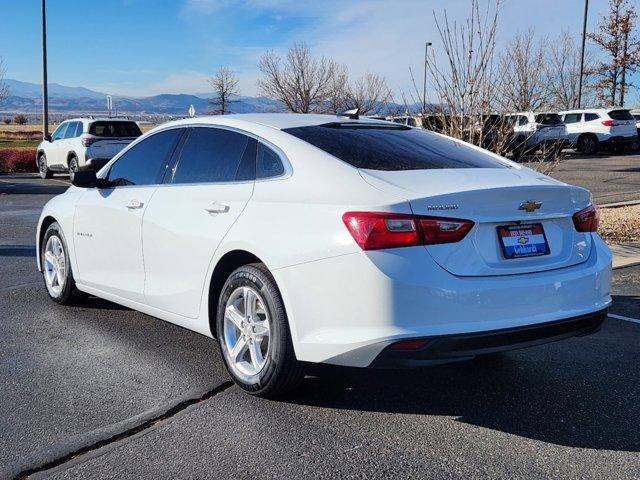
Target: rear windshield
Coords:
[(548, 119), (115, 129), (393, 147), (620, 115)]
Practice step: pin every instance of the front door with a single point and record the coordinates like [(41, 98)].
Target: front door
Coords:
[(108, 222)]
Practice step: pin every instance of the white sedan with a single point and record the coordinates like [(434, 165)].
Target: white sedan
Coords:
[(313, 238)]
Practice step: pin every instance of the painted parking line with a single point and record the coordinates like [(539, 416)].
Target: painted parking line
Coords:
[(626, 319)]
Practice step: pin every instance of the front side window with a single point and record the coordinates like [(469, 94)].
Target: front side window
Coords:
[(145, 162), (269, 163), (59, 132), (216, 155), (572, 117), (393, 147)]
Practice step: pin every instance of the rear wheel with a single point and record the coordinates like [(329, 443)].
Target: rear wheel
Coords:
[(73, 167), (588, 144), (43, 169), (56, 268), (253, 333)]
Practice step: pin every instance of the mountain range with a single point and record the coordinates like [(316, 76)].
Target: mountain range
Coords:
[(27, 97)]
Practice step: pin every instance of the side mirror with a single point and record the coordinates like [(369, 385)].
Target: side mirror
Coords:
[(88, 179), (47, 137)]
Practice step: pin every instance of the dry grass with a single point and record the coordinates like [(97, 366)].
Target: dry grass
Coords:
[(620, 225)]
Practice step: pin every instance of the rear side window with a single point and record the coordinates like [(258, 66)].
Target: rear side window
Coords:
[(393, 147), (115, 129), (145, 162), (588, 117), (70, 132), (216, 155), (548, 119), (269, 164), (572, 117), (620, 115)]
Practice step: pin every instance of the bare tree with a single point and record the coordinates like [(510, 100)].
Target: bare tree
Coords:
[(302, 82), (225, 86), (4, 90), (370, 94), (619, 42), (522, 68), (563, 73)]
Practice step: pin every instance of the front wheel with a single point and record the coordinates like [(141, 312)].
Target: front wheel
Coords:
[(56, 268), (43, 169), (253, 333)]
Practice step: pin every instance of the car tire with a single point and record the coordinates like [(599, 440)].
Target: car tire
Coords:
[(56, 268), (588, 144), (73, 167), (43, 169), (253, 334)]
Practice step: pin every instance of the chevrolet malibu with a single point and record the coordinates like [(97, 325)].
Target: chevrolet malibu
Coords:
[(342, 240)]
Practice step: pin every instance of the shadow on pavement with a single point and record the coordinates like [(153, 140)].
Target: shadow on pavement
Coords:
[(576, 393), (17, 251), (31, 188)]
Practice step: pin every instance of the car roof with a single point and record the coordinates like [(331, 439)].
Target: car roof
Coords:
[(593, 110), (96, 119), (279, 121)]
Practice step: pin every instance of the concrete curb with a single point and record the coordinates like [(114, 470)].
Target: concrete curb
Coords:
[(626, 254), (620, 204)]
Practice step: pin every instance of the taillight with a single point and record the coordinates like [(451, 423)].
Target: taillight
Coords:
[(87, 141), (376, 230), (586, 220), (607, 123)]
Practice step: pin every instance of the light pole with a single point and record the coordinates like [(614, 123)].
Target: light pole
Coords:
[(584, 39), (45, 93), (424, 83)]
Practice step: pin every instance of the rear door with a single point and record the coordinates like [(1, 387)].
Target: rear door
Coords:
[(108, 222), (210, 184)]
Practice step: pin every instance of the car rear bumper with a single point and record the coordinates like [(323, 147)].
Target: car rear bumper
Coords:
[(346, 310), (619, 140), (450, 348)]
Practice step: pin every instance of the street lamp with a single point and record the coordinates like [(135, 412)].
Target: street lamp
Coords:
[(45, 93), (424, 83), (584, 39)]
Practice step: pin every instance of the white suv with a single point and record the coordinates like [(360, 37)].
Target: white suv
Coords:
[(591, 129), (84, 143)]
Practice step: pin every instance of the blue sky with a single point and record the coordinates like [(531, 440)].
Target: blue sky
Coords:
[(145, 47)]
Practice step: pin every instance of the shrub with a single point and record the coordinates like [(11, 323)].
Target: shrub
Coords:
[(13, 160), (20, 119), (6, 121)]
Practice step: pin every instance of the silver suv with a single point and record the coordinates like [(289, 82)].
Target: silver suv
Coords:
[(84, 143)]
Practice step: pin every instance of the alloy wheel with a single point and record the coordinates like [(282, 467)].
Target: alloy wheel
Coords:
[(246, 332), (55, 266)]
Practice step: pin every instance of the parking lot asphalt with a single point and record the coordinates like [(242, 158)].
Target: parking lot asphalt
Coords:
[(100, 391), (610, 178)]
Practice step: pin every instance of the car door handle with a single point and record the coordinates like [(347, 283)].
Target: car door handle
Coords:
[(215, 208), (134, 204)]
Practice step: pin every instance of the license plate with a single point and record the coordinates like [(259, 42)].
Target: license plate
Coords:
[(518, 241)]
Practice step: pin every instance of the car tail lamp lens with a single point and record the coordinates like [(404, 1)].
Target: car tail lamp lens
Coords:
[(87, 141), (377, 230), (607, 123), (586, 220)]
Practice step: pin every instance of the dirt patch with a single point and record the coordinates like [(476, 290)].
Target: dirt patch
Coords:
[(620, 225)]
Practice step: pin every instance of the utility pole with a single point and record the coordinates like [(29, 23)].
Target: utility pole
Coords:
[(424, 83), (584, 39), (45, 92)]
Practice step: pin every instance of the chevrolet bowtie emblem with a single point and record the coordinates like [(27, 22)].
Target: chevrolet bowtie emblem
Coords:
[(530, 205)]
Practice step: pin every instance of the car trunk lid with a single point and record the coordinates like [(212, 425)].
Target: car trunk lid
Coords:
[(492, 198)]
